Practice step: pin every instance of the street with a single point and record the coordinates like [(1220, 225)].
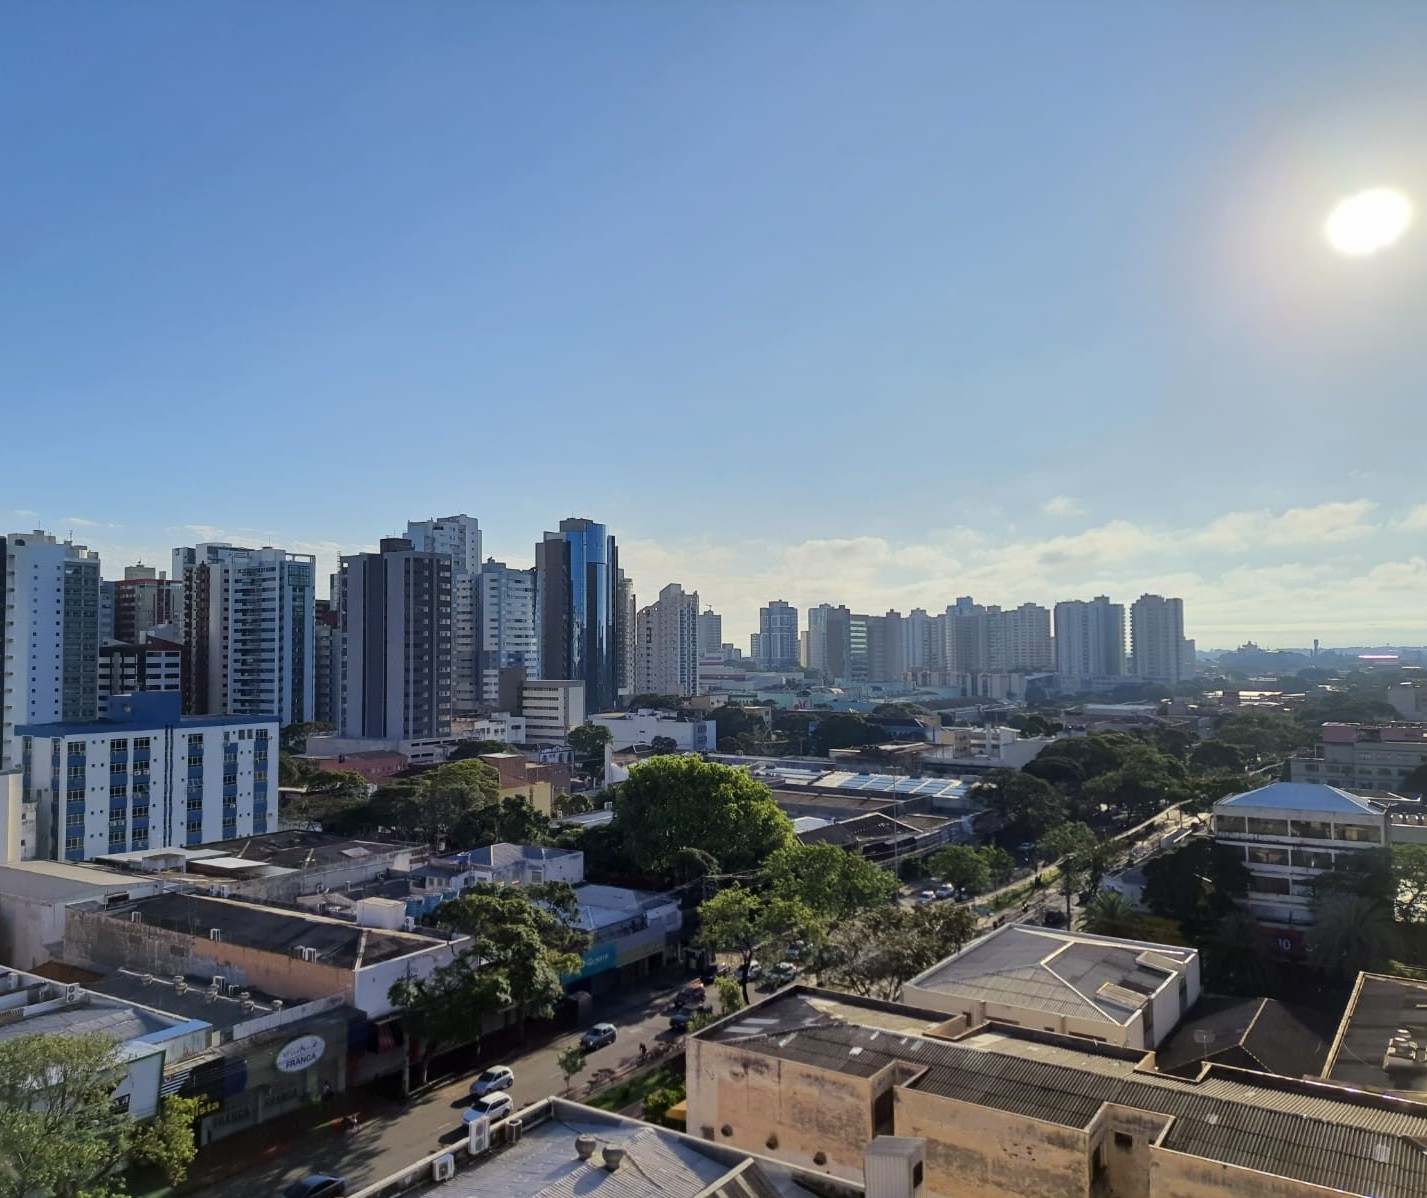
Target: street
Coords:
[(393, 1134)]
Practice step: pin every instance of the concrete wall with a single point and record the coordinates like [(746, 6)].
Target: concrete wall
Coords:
[(779, 1108), (1131, 1035), (93, 940), (32, 930), (283, 888), (977, 1152)]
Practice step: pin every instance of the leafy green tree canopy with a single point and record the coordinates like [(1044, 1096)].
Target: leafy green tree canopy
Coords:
[(961, 866), (589, 740), (828, 880), (673, 803)]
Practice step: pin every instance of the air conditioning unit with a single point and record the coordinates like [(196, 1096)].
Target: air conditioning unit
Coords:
[(71, 992), (478, 1136), (409, 924), (443, 1168)]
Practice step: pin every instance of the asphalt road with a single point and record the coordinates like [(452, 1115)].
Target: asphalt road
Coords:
[(393, 1134)]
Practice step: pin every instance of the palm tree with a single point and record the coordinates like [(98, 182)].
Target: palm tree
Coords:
[(1234, 956), (1352, 933), (1111, 914)]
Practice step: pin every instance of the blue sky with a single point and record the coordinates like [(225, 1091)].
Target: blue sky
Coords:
[(872, 303)]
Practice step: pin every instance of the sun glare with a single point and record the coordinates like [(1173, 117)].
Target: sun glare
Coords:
[(1367, 222)]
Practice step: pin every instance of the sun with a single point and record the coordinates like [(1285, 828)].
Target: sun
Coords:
[(1367, 222)]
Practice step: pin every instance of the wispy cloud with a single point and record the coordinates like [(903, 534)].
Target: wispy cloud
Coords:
[(1063, 507)]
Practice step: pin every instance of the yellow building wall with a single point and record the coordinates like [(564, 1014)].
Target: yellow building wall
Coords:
[(976, 1152), (780, 1108)]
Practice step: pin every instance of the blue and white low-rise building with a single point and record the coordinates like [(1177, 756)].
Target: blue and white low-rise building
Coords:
[(144, 776)]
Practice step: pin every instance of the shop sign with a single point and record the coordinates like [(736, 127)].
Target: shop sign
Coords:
[(302, 1053)]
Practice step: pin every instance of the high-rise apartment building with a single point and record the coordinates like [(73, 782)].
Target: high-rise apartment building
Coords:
[(666, 644), (149, 663), (144, 777), (580, 606), (778, 636), (918, 630), (829, 641), (49, 634), (395, 617), (508, 632), (1024, 640), (1158, 649), (710, 633), (1090, 638), (625, 661), (145, 600), (327, 661), (460, 538), (247, 631)]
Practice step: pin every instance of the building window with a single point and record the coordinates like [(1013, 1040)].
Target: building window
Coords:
[(230, 779), (1124, 1140), (73, 842), (75, 819), (1267, 827), (140, 742), (1359, 834), (1312, 829), (1262, 884), (119, 745), (76, 771), (1260, 856), (118, 792)]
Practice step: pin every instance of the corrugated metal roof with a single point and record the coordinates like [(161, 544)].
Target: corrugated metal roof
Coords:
[(1362, 1147)]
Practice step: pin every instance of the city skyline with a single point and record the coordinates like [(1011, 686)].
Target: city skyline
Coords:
[(926, 291), (1265, 591)]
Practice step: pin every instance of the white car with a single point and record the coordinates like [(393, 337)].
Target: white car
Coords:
[(492, 1106), (497, 1077), (927, 896)]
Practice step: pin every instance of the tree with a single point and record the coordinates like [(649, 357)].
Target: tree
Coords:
[(881, 949), (730, 995), (166, 1142), (589, 740), (961, 866), (563, 804), (529, 937), (738, 921), (449, 1007), (1000, 864), (1195, 885), (689, 865), (1409, 863), (510, 821), (828, 880), (1071, 845), (1217, 756), (1111, 914), (1352, 932), (1028, 806), (1234, 957), (571, 1063), (431, 805), (671, 803), (663, 745), (657, 1103), (61, 1133), (845, 730)]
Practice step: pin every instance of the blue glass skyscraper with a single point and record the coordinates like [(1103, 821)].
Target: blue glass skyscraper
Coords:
[(576, 578)]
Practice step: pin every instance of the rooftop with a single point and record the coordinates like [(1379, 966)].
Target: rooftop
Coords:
[(1249, 1033), (271, 853), (335, 941), (136, 712), (1311, 1131), (60, 881), (495, 856), (1303, 796), (1380, 1011), (658, 1164), (860, 828), (1076, 974)]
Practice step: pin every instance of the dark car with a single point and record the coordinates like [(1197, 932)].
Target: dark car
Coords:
[(681, 1019), (1053, 918), (317, 1185), (597, 1037)]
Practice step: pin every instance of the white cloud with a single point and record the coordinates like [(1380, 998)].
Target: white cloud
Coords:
[(1241, 574), (1063, 507)]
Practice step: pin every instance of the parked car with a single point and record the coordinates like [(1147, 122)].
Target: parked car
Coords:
[(754, 970), (597, 1037), (680, 1020), (691, 995), (492, 1106), (782, 973), (946, 892), (927, 896), (318, 1185), (497, 1077), (796, 951), (1054, 917)]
